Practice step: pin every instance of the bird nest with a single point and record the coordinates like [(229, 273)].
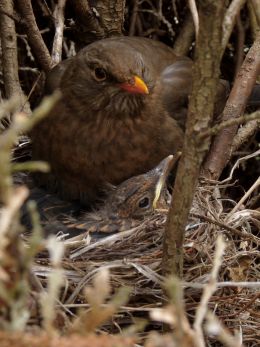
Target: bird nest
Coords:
[(134, 256)]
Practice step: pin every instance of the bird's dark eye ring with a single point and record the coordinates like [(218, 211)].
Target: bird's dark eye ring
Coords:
[(100, 74), (144, 202)]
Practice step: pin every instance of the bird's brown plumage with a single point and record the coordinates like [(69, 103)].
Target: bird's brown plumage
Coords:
[(126, 205), (100, 132)]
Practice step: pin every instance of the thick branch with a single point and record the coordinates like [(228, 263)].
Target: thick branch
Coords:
[(9, 55), (200, 112), (34, 36), (111, 15), (105, 18), (87, 23), (221, 149)]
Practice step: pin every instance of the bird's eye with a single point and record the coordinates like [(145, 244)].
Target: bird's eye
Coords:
[(144, 203), (100, 74)]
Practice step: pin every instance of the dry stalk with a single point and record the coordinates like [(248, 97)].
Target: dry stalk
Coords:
[(56, 280), (208, 291)]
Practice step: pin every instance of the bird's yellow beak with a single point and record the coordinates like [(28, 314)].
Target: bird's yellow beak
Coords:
[(136, 86)]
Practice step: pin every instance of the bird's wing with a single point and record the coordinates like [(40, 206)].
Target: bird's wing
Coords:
[(175, 83)]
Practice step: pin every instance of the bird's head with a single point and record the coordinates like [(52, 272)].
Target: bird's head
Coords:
[(105, 76), (128, 204)]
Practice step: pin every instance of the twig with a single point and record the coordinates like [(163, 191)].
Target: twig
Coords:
[(245, 133), (221, 149), (240, 233), (236, 121), (255, 154), (58, 37), (185, 38), (34, 36), (9, 56), (87, 21), (245, 307), (239, 44), (133, 18), (107, 240), (254, 25), (195, 16), (256, 7), (245, 196), (229, 21)]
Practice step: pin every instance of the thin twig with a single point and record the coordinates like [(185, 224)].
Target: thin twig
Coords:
[(195, 16), (240, 160), (59, 27), (229, 21), (245, 196), (34, 36), (234, 121)]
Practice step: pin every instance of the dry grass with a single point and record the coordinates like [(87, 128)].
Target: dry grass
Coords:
[(133, 258)]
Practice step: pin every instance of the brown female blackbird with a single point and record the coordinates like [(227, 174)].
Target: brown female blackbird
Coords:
[(122, 110)]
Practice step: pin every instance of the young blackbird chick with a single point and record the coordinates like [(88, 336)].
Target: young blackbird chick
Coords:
[(123, 108), (126, 205), (130, 202)]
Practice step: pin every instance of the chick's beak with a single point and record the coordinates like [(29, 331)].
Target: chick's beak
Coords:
[(136, 86), (163, 171)]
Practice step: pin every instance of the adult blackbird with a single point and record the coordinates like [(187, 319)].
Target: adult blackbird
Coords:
[(122, 110)]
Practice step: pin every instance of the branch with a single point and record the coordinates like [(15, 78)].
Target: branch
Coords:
[(229, 21), (256, 7), (200, 112), (234, 121), (245, 133), (195, 16), (34, 36), (254, 24), (111, 15), (58, 37), (104, 19), (9, 55), (240, 41), (185, 38), (87, 22), (221, 149)]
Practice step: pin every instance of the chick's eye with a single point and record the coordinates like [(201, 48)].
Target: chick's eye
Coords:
[(100, 74), (144, 203)]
